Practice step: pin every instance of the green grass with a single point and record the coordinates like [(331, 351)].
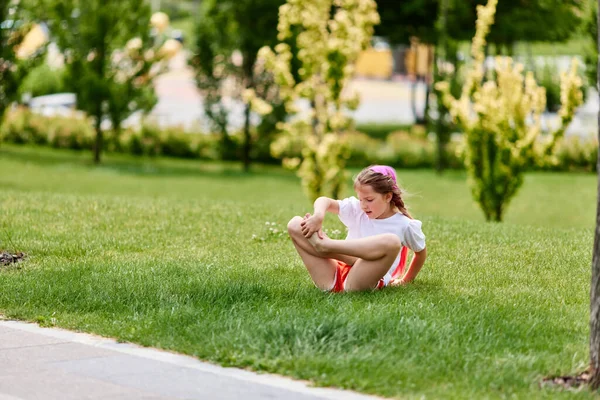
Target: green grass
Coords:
[(161, 253)]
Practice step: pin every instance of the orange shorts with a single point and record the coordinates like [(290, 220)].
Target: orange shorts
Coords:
[(341, 273)]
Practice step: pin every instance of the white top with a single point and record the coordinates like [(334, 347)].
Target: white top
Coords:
[(360, 226)]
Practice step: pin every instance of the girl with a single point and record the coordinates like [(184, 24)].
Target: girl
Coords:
[(378, 226)]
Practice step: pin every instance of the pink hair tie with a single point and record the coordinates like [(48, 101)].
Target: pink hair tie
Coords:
[(385, 170)]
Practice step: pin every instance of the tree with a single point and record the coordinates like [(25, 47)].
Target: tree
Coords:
[(595, 286), (443, 22), (590, 29), (224, 28), (329, 35), (519, 20), (15, 23), (501, 119), (109, 57), (536, 21)]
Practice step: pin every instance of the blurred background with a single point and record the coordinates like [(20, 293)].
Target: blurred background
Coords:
[(135, 70)]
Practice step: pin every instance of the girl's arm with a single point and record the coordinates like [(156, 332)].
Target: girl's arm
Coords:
[(323, 204), (415, 266), (314, 223)]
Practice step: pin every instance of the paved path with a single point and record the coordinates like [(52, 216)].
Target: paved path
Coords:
[(42, 363)]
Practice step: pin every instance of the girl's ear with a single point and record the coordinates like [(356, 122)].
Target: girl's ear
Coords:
[(388, 197)]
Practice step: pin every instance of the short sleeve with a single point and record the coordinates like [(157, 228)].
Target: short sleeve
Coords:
[(349, 211), (414, 238)]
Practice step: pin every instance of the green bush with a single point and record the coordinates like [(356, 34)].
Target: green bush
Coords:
[(43, 80), (363, 149), (549, 78), (574, 153), (21, 126), (380, 130), (405, 151), (152, 140), (146, 142), (70, 133), (402, 149)]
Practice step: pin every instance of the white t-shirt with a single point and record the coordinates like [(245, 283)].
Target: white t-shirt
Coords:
[(360, 226)]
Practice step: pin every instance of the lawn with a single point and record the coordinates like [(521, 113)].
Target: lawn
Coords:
[(178, 255)]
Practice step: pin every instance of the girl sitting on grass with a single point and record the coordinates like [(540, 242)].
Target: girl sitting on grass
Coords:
[(378, 226)]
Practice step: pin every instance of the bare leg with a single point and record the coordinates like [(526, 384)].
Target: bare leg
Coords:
[(375, 257), (320, 265)]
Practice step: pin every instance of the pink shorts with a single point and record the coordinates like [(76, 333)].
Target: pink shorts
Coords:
[(341, 273)]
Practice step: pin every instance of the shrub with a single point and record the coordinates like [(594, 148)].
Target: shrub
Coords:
[(405, 151), (401, 149), (549, 78), (381, 130), (364, 149), (573, 153), (43, 80), (70, 133)]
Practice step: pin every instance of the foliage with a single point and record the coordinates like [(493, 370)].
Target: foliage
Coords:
[(76, 133), (329, 35), (591, 51), (549, 78), (177, 9), (378, 130), (111, 58), (24, 127), (43, 80), (228, 37), (403, 149), (538, 20), (442, 22), (521, 20), (495, 117), (15, 23)]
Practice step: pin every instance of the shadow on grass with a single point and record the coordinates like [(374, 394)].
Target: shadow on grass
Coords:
[(140, 166)]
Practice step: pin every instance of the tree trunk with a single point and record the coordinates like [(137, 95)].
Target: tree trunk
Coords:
[(99, 68), (595, 286), (425, 116), (99, 139), (428, 84), (247, 139), (595, 307), (248, 66), (413, 99)]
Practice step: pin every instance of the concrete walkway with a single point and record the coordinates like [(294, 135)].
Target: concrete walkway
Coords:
[(44, 363)]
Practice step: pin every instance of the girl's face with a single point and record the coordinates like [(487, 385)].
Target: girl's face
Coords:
[(375, 205)]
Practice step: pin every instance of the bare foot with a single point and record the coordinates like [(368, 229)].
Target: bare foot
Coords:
[(318, 243)]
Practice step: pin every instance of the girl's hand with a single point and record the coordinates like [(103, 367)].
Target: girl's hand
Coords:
[(311, 224), (398, 282)]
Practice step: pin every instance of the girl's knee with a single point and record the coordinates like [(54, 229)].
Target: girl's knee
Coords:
[(294, 225), (391, 242)]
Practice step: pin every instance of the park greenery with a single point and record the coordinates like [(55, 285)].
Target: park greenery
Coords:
[(406, 147), (327, 36), (500, 138), (446, 24), (15, 23), (193, 257), (171, 243), (226, 65), (111, 58)]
